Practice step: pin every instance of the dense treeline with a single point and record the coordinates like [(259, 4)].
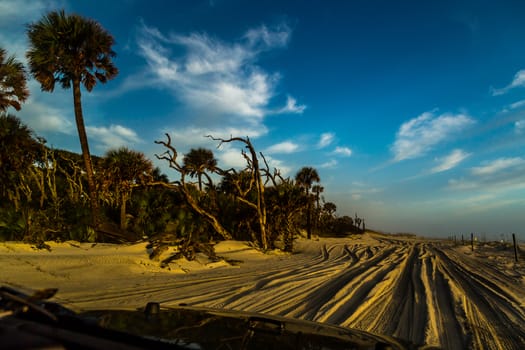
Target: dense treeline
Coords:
[(44, 196), (52, 194)]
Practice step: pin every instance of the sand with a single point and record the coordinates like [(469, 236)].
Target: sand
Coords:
[(426, 291)]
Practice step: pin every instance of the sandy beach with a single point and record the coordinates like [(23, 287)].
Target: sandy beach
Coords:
[(426, 291)]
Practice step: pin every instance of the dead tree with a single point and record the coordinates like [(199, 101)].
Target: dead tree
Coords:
[(256, 179), (171, 157)]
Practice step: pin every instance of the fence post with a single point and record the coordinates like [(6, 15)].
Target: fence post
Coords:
[(515, 247), (472, 241)]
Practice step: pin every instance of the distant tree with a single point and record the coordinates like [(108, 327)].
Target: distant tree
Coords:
[(72, 51), (197, 162), (330, 208), (13, 85), (317, 190), (305, 178), (285, 202), (327, 217), (344, 225), (125, 169), (357, 223)]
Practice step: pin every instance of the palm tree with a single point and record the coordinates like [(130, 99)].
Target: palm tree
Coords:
[(13, 87), (72, 51), (125, 170), (198, 161), (305, 178), (317, 190)]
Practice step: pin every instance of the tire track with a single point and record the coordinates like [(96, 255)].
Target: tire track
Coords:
[(494, 320), (417, 290)]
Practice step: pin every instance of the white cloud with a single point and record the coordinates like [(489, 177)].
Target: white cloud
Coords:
[(517, 104), (196, 136), (342, 151), (231, 157), (326, 139), (462, 184), (43, 118), (292, 107), (42, 112), (113, 137), (218, 79), (519, 126), (362, 190), (22, 10), (419, 135), (518, 81), (497, 166), (15, 15), (262, 37), (283, 147), (278, 164), (329, 164), (502, 175), (450, 161)]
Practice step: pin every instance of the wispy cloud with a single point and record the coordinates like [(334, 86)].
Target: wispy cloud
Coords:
[(519, 126), (326, 139), (342, 151), (502, 174), (42, 118), (39, 114), (291, 107), (517, 104), (283, 147), (418, 136), (230, 156), (280, 165), (216, 78), (450, 161), (518, 81), (15, 15), (329, 164), (196, 136), (484, 202), (498, 165), (362, 190), (112, 137)]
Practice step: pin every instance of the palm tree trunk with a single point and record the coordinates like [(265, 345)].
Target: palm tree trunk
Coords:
[(123, 221), (85, 154), (309, 219)]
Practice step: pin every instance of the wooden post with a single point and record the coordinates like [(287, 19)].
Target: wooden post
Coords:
[(462, 240), (515, 247), (472, 241)]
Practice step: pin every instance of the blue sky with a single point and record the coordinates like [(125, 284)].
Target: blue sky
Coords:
[(413, 112)]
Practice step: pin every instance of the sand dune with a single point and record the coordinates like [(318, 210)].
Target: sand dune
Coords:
[(428, 292)]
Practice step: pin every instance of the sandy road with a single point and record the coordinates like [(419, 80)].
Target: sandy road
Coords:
[(423, 291)]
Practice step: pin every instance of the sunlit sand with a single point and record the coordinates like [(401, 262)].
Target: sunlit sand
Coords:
[(431, 292)]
